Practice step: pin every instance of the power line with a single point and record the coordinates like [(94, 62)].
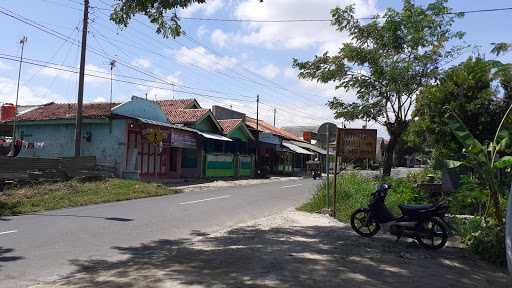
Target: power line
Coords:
[(69, 70), (236, 74), (64, 37), (330, 20), (278, 86), (95, 51)]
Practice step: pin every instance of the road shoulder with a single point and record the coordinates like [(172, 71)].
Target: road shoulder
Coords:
[(290, 249)]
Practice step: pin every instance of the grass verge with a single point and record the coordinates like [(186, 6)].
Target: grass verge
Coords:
[(353, 191), (42, 197)]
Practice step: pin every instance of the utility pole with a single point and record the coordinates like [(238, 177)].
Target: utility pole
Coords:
[(257, 129), (13, 144), (275, 111), (80, 100), (112, 66)]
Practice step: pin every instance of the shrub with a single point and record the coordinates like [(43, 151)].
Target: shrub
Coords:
[(353, 191), (425, 175), (484, 238), (470, 198)]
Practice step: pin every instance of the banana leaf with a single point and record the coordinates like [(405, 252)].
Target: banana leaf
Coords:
[(468, 141), (503, 162)]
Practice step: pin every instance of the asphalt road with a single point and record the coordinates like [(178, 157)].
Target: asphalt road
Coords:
[(42, 247)]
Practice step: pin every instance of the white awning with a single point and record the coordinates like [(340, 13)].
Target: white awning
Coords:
[(214, 136), (297, 149), (309, 146)]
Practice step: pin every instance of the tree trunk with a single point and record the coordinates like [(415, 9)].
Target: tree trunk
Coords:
[(388, 155)]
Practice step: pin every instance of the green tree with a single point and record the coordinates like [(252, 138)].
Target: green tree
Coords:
[(161, 13), (388, 60), (486, 160), (500, 48), (477, 90)]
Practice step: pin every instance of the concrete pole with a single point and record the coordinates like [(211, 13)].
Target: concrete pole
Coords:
[(13, 144), (257, 131), (327, 171), (80, 100)]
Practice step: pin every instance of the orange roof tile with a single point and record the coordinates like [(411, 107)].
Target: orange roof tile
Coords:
[(268, 128), (229, 124), (168, 105), (185, 116), (54, 111)]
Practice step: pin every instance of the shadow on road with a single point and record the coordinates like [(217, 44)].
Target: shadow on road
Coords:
[(312, 256), (7, 258), (118, 219)]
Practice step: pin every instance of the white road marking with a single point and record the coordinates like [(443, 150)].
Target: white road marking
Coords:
[(207, 199), (7, 232), (290, 186)]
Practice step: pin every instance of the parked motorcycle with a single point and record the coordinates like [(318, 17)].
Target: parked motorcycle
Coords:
[(424, 223)]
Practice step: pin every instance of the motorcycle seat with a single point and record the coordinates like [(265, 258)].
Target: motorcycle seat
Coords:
[(406, 207)]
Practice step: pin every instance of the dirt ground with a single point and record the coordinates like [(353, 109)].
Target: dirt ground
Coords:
[(292, 249)]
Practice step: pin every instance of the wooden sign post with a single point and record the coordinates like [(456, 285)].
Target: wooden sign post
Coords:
[(352, 145), (338, 136)]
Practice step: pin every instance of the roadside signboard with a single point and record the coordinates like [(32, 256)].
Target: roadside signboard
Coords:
[(353, 144), (357, 144)]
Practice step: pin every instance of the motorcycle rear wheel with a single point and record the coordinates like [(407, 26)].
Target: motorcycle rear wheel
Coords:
[(363, 224), (433, 234)]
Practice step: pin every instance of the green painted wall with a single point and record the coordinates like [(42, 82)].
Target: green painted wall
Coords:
[(239, 133), (219, 165), (57, 137), (206, 125), (246, 166)]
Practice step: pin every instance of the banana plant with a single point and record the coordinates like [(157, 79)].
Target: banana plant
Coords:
[(485, 160)]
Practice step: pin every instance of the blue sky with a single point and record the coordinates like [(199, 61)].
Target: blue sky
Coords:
[(228, 63)]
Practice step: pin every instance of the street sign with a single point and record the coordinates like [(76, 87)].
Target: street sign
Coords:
[(357, 144), (326, 133)]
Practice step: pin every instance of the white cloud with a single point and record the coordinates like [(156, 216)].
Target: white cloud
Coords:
[(142, 63), (290, 73), (201, 31), (201, 57), (4, 66), (51, 72), (269, 71), (161, 94), (95, 75), (27, 95), (219, 38), (99, 100), (316, 35), (207, 9)]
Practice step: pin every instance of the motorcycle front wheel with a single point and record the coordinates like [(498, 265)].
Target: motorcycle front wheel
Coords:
[(432, 234), (363, 224)]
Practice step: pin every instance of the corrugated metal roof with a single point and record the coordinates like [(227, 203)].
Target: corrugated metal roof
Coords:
[(297, 149), (310, 147)]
